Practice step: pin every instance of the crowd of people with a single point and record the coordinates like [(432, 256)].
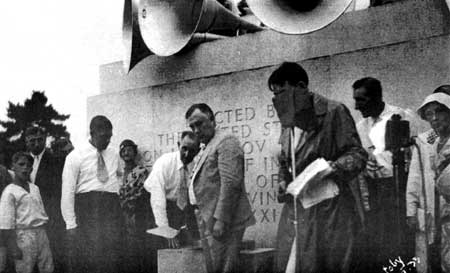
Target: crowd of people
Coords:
[(86, 213)]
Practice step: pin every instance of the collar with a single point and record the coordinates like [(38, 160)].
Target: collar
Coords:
[(320, 104), (39, 156), (429, 137), (217, 132), (178, 159), (92, 148), (387, 112)]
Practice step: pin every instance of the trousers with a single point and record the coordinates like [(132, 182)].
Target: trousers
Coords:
[(99, 233), (35, 249)]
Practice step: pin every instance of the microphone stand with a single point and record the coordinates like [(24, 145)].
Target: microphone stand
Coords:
[(292, 146), (398, 164), (397, 139), (291, 266)]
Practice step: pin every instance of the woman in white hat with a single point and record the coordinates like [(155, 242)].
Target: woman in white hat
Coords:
[(436, 110)]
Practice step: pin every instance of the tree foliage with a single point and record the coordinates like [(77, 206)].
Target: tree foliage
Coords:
[(34, 111)]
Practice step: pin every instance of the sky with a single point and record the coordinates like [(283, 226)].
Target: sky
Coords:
[(57, 47)]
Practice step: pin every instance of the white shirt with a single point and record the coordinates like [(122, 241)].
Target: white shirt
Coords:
[(80, 176), (20, 209), (372, 133), (36, 162), (163, 183)]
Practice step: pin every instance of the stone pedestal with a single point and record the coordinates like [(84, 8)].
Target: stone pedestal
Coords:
[(191, 260), (183, 260), (258, 260)]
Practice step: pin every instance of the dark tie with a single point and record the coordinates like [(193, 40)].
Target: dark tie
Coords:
[(182, 197), (102, 172)]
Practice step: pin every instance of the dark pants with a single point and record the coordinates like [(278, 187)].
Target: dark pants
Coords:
[(55, 232), (388, 236), (225, 252), (99, 233), (327, 234), (139, 256)]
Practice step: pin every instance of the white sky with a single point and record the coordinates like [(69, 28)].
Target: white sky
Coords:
[(57, 46)]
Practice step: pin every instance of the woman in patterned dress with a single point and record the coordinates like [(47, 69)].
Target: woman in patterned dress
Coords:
[(436, 110), (138, 216)]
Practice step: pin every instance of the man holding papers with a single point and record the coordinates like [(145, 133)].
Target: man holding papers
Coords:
[(167, 185), (329, 209)]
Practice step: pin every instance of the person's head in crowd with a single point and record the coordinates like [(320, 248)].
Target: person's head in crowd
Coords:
[(189, 146), (291, 97), (443, 89), (201, 120), (101, 132), (436, 110), (61, 147), (35, 138), (22, 165), (368, 96), (128, 151)]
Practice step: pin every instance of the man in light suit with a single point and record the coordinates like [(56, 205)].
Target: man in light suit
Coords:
[(46, 174), (217, 189)]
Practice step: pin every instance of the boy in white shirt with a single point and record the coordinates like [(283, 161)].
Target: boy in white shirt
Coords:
[(22, 220)]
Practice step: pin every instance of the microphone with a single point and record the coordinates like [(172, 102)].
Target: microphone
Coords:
[(397, 134)]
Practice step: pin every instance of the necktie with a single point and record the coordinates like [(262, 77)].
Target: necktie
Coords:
[(102, 172), (182, 189)]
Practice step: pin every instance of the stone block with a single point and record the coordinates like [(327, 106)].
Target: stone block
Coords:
[(258, 260), (191, 260), (183, 260)]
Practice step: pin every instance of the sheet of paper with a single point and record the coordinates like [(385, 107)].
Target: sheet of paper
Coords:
[(308, 174), (318, 191), (310, 188), (164, 231)]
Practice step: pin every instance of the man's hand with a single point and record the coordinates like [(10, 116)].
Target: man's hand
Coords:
[(412, 222), (446, 198), (16, 253), (326, 173), (218, 229), (71, 233), (71, 239), (173, 243), (10, 237)]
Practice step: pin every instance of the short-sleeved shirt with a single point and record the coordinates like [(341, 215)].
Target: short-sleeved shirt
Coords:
[(20, 209)]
